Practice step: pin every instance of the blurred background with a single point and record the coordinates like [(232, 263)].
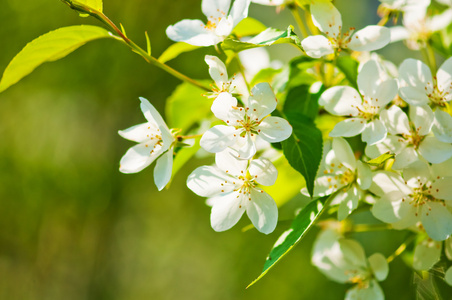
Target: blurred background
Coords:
[(73, 227)]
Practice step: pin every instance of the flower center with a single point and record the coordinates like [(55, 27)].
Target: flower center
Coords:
[(414, 138), (422, 196), (341, 40), (438, 96), (347, 177)]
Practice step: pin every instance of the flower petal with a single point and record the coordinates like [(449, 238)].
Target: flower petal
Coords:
[(208, 181), (444, 76), (406, 157), (192, 32), (373, 292), (364, 175), (385, 183), (422, 117), (374, 132), (392, 144), (390, 211), (274, 129), (341, 101), (262, 211), (435, 151), (163, 169), (262, 101), (348, 127), (327, 18), (217, 70), (442, 126), (139, 157), (215, 8), (395, 120), (140, 133), (344, 153), (263, 171), (348, 203), (317, 46), (426, 254), (227, 162), (239, 11), (386, 91), (219, 137), (413, 95), (153, 116), (414, 73), (442, 188), (245, 146), (224, 107), (370, 38), (227, 210), (437, 221), (379, 266)]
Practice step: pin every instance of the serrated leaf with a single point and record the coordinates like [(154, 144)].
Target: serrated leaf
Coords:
[(349, 66), (381, 159), (300, 100), (291, 237), (268, 37), (175, 50), (303, 149), (248, 26), (49, 47), (186, 106)]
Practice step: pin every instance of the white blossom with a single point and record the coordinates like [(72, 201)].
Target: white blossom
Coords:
[(219, 74), (155, 141)]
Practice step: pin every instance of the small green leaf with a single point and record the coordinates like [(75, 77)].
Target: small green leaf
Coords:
[(300, 100), (95, 4), (349, 66), (303, 149), (49, 47), (287, 241), (268, 37), (186, 106), (175, 50), (84, 6), (297, 71), (183, 156), (381, 159), (265, 75), (248, 26)]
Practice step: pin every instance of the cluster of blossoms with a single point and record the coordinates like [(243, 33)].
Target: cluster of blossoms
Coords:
[(402, 113)]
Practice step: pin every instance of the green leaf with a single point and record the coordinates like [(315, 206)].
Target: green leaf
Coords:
[(49, 47), (265, 75), (175, 50), (268, 37), (186, 106), (381, 159), (303, 149), (349, 66), (247, 27), (183, 156), (297, 71), (84, 6), (300, 100), (287, 241), (95, 4)]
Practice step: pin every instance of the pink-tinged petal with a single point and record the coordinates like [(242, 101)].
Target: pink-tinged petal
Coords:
[(374, 132), (224, 107), (406, 157), (414, 95), (245, 146), (274, 129), (262, 211), (442, 188), (341, 101), (442, 126), (217, 70), (422, 117), (416, 74), (444, 76), (208, 181), (140, 133), (227, 211), (262, 101), (379, 266), (317, 46), (344, 153), (192, 32), (435, 151), (426, 254), (390, 211), (327, 18), (217, 138), (348, 203), (227, 162), (348, 127), (373, 292), (395, 120), (153, 116), (370, 38), (386, 183), (437, 220), (263, 171), (239, 11), (215, 8), (139, 157), (364, 179), (391, 144), (163, 169)]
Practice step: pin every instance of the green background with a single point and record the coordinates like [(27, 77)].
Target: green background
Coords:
[(73, 227)]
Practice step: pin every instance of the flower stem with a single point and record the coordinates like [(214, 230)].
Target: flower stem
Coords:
[(296, 16), (368, 227), (135, 48), (401, 248), (431, 58)]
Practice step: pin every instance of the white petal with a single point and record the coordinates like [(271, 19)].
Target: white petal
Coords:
[(442, 188), (208, 181), (437, 221), (227, 211), (417, 174), (396, 120), (263, 171), (153, 116), (239, 11), (384, 183), (215, 8), (262, 211), (399, 33), (416, 74), (262, 101), (369, 78), (192, 32), (348, 203), (327, 18), (391, 211), (327, 184), (422, 117), (442, 126), (317, 46), (227, 162), (426, 254), (219, 137), (224, 27), (370, 38), (139, 157), (348, 127), (374, 132), (444, 76), (140, 133), (224, 107), (406, 157), (386, 91), (443, 169), (373, 292), (274, 129), (364, 175), (379, 266), (217, 70), (391, 144), (414, 95), (245, 146), (163, 169), (344, 153), (435, 151), (440, 21), (341, 101)]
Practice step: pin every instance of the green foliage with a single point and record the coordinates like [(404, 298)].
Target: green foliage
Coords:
[(349, 66), (297, 71), (300, 100), (49, 47), (381, 159), (175, 50), (287, 241), (247, 27), (270, 36), (183, 156), (303, 149)]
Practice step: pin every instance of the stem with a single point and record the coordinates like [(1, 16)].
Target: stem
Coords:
[(367, 227), (383, 20), (135, 48), (431, 58), (307, 16), (401, 248), (296, 16), (184, 137)]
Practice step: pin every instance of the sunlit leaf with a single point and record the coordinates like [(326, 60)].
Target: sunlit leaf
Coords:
[(49, 47), (349, 66), (381, 159), (300, 226), (85, 5), (248, 26), (184, 155), (175, 50)]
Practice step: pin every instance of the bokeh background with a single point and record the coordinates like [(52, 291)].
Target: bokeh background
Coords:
[(73, 227)]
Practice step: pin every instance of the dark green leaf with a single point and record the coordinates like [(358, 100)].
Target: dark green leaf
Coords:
[(300, 100), (381, 159), (300, 226), (303, 149), (349, 66)]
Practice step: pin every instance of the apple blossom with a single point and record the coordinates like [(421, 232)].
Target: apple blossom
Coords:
[(155, 142), (219, 74)]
